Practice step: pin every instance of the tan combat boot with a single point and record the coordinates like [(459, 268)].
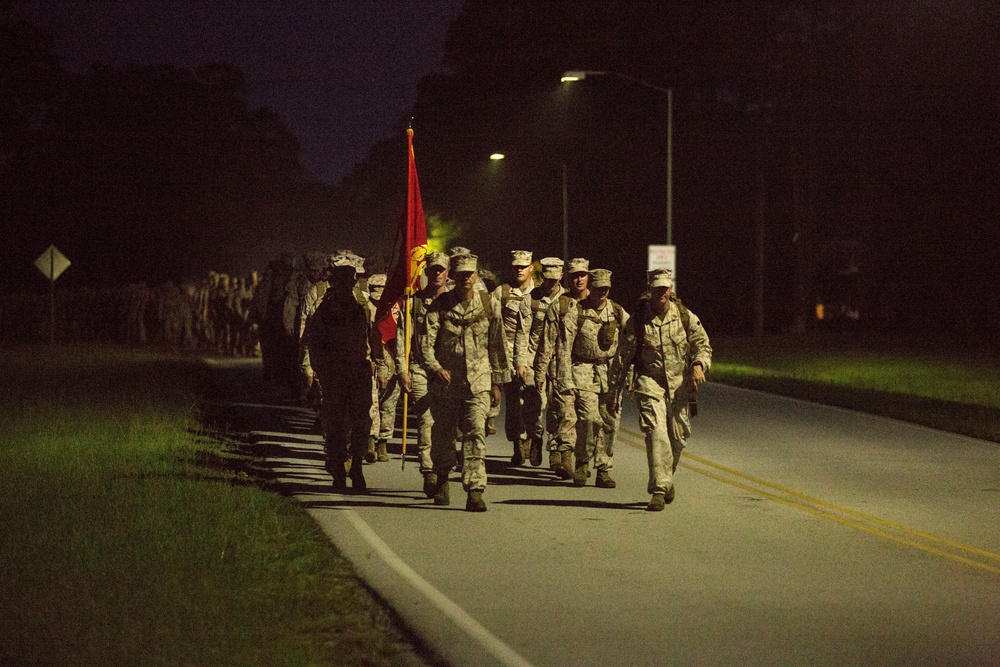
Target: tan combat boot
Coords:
[(604, 480), (382, 454), (430, 484), (474, 502), (656, 503), (441, 494), (535, 452), (525, 446), (370, 452), (555, 461)]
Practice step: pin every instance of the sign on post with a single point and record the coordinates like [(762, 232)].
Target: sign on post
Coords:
[(664, 257), (52, 263)]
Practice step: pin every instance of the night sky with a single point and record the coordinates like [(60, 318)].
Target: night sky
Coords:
[(340, 72)]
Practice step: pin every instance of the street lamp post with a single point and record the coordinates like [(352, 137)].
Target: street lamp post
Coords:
[(496, 157), (579, 75)]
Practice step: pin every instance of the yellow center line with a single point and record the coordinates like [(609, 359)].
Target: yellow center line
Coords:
[(828, 513)]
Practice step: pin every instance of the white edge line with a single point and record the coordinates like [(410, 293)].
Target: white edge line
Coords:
[(459, 616)]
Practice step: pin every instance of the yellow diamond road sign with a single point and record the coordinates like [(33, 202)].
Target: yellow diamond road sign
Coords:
[(52, 263)]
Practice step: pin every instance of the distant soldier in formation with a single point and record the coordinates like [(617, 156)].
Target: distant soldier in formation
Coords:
[(668, 353), (346, 352), (531, 324), (387, 388), (465, 350), (552, 349), (416, 381), (511, 295)]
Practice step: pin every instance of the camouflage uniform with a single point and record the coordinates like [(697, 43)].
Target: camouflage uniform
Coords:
[(663, 355), (511, 298), (387, 390), (466, 339), (592, 336), (554, 372), (531, 323), (419, 400), (345, 349)]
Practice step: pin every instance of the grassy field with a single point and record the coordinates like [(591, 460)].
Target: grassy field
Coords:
[(118, 547), (946, 388)]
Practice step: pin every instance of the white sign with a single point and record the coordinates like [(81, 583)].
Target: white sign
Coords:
[(52, 263), (664, 257)]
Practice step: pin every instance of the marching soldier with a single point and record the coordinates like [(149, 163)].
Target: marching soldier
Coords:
[(552, 350), (592, 327), (529, 333), (465, 350), (416, 381), (385, 397), (346, 350), (668, 349), (511, 296)]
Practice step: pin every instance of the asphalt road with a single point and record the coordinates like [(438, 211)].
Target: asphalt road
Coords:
[(800, 534)]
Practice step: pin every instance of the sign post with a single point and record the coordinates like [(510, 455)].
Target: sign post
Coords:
[(52, 263), (664, 257)]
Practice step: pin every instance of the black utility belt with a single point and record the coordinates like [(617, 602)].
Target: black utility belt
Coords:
[(596, 362)]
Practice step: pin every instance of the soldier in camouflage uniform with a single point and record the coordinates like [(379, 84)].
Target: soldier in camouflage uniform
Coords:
[(669, 353), (554, 368), (387, 394), (592, 328), (511, 296), (416, 380), (465, 350), (529, 332), (346, 352)]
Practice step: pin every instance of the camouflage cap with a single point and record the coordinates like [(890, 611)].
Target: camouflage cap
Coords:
[(377, 281), (578, 265), (459, 250), (466, 262), (436, 259), (552, 267), (660, 278), (520, 258), (359, 261), (600, 278), (341, 259), (313, 261)]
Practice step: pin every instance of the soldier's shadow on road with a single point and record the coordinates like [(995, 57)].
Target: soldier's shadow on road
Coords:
[(587, 504)]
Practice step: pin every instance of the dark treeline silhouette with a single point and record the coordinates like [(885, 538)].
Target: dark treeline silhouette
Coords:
[(144, 174), (856, 139)]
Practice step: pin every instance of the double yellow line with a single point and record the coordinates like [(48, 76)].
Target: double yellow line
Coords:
[(932, 544)]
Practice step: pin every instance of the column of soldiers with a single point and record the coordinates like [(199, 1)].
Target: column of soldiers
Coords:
[(563, 358)]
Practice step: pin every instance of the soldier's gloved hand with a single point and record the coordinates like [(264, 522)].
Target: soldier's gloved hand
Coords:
[(444, 375), (494, 396), (404, 381), (522, 372)]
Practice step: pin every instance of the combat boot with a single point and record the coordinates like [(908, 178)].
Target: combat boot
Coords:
[(370, 452), (555, 461), (474, 502), (518, 457), (604, 480), (441, 495), (564, 469), (535, 452), (581, 474), (339, 478), (669, 498), (358, 483), (656, 503), (430, 484), (382, 453), (525, 446)]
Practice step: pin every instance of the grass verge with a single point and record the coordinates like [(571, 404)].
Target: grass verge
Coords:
[(945, 388), (118, 547)]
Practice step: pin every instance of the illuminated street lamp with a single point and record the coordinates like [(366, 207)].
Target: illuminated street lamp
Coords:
[(580, 75), (497, 156), (565, 206)]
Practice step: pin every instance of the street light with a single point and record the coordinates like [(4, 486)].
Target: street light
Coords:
[(565, 206), (580, 75)]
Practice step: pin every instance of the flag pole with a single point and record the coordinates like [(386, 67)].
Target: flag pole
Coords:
[(406, 369)]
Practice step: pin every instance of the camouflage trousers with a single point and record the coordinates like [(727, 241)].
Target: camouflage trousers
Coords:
[(666, 425), (458, 410), (346, 410), (596, 429), (384, 409), (419, 408), (533, 405), (564, 426)]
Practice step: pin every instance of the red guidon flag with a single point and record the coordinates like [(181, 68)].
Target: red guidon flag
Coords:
[(410, 252)]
